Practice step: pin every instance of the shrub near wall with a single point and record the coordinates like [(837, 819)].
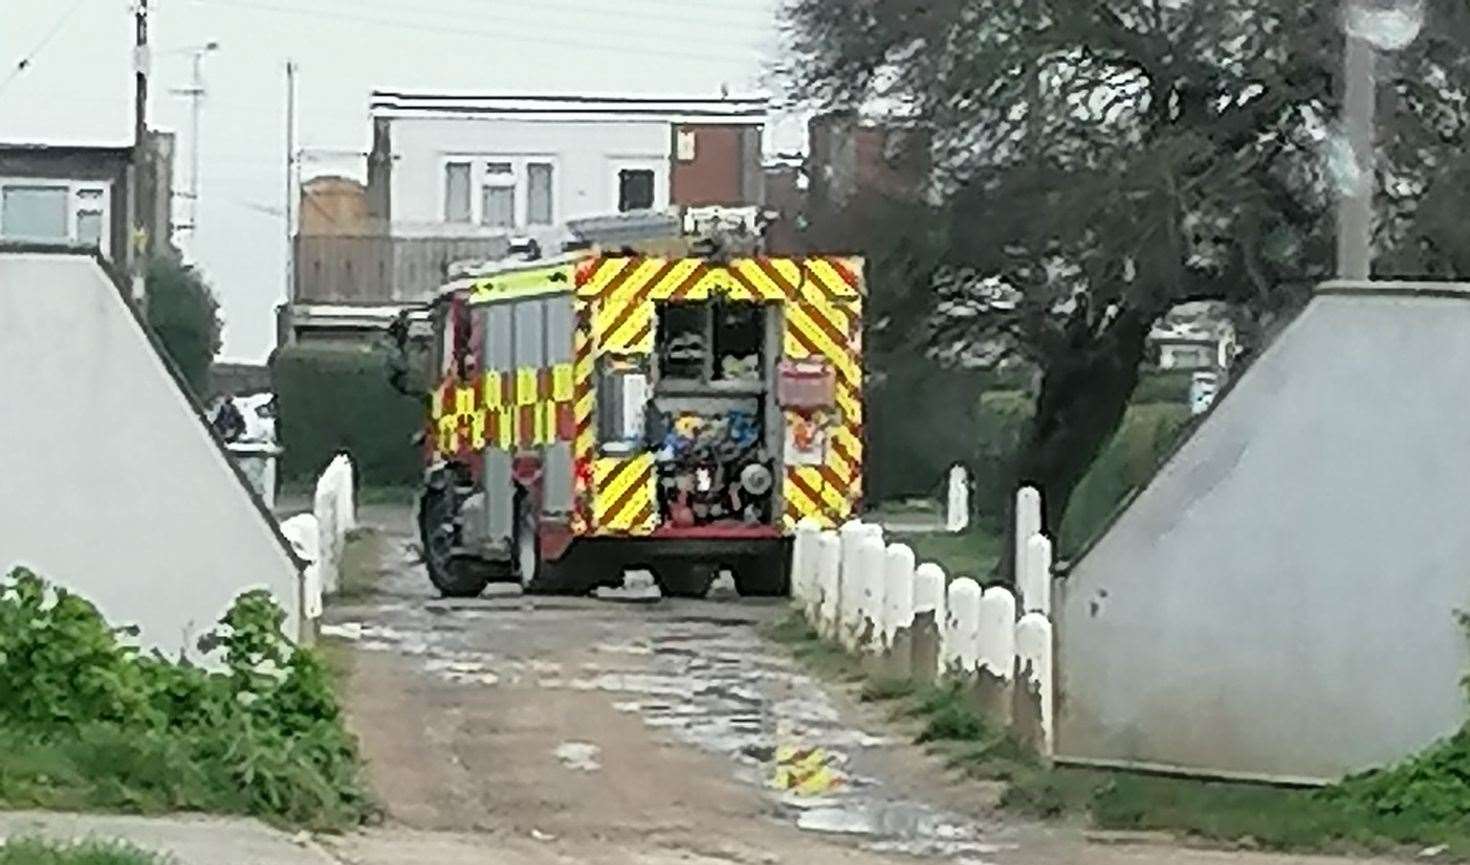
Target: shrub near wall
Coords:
[(332, 397)]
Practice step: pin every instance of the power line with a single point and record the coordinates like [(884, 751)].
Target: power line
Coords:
[(25, 61), (461, 31)]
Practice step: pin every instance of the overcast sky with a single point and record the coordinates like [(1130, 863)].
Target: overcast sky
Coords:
[(77, 86)]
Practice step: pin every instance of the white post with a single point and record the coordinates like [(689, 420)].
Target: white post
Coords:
[(304, 535), (866, 627), (897, 637), (929, 621), (804, 561), (998, 632), (850, 613), (346, 492), (1028, 523), (1035, 578), (957, 518), (328, 532), (825, 610), (1034, 651), (898, 592), (962, 627)]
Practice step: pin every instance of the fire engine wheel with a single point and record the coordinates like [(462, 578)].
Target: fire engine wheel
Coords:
[(686, 579), (537, 576), (454, 576), (763, 574)]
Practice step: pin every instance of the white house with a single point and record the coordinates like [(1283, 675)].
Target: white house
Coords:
[(448, 165)]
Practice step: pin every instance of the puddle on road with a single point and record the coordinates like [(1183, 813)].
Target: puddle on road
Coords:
[(581, 756), (712, 683)]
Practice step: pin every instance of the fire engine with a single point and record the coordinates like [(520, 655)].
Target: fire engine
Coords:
[(596, 413)]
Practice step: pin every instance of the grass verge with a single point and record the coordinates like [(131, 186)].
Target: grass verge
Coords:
[(363, 562), (33, 851), (1420, 805), (972, 553)]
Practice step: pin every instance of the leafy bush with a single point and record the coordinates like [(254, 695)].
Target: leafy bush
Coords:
[(184, 313), (86, 721), (36, 851), (1168, 385), (334, 397)]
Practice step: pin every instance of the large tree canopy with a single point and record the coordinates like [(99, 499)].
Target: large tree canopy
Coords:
[(1105, 160)]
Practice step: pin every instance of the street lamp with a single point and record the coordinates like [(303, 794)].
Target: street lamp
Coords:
[(1369, 27), (195, 91)]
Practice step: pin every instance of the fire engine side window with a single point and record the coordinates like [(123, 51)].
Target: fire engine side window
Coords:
[(622, 398)]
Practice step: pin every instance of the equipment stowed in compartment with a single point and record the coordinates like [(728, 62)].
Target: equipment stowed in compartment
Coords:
[(713, 467)]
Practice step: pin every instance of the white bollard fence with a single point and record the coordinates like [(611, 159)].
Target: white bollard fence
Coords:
[(1034, 653), (898, 593), (336, 515), (998, 633), (962, 627), (804, 561), (1035, 576), (825, 610), (929, 622), (872, 557), (1028, 523), (304, 536)]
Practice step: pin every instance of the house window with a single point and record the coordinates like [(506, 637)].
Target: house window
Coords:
[(34, 212), (457, 192), (538, 193), (89, 217), (635, 189), (499, 207)]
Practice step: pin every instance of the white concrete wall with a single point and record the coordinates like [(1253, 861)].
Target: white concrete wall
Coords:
[(1281, 599), (586, 154), (110, 484)]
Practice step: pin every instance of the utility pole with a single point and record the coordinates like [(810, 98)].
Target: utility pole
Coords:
[(1355, 203), (132, 255), (291, 181), (196, 92)]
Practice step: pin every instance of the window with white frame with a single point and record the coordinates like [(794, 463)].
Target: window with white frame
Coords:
[(514, 191), (54, 211), (456, 192), (498, 195), (538, 193)]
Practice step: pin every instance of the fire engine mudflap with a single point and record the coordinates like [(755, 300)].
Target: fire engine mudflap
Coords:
[(595, 414)]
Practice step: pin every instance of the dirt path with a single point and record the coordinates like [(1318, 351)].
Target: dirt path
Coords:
[(543, 731)]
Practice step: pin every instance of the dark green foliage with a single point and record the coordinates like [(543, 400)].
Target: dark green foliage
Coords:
[(36, 851), (1163, 386), (1130, 459), (88, 722), (335, 397), (921, 420), (183, 311)]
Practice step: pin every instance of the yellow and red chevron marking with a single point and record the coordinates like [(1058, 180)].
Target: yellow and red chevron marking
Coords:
[(821, 299), (584, 441), (624, 500)]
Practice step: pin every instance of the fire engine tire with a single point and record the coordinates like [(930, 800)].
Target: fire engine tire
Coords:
[(536, 575), (461, 576), (762, 575), (685, 579)]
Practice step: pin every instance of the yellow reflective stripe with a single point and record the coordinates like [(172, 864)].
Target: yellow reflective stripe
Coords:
[(561, 382), (526, 386)]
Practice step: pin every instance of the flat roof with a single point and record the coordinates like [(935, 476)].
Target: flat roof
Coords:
[(732, 109)]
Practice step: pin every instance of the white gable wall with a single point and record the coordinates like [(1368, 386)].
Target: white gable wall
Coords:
[(110, 484), (587, 155)]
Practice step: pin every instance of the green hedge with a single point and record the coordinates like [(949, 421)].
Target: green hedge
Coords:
[(920, 421), (1163, 386), (1148, 434), (335, 397)]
